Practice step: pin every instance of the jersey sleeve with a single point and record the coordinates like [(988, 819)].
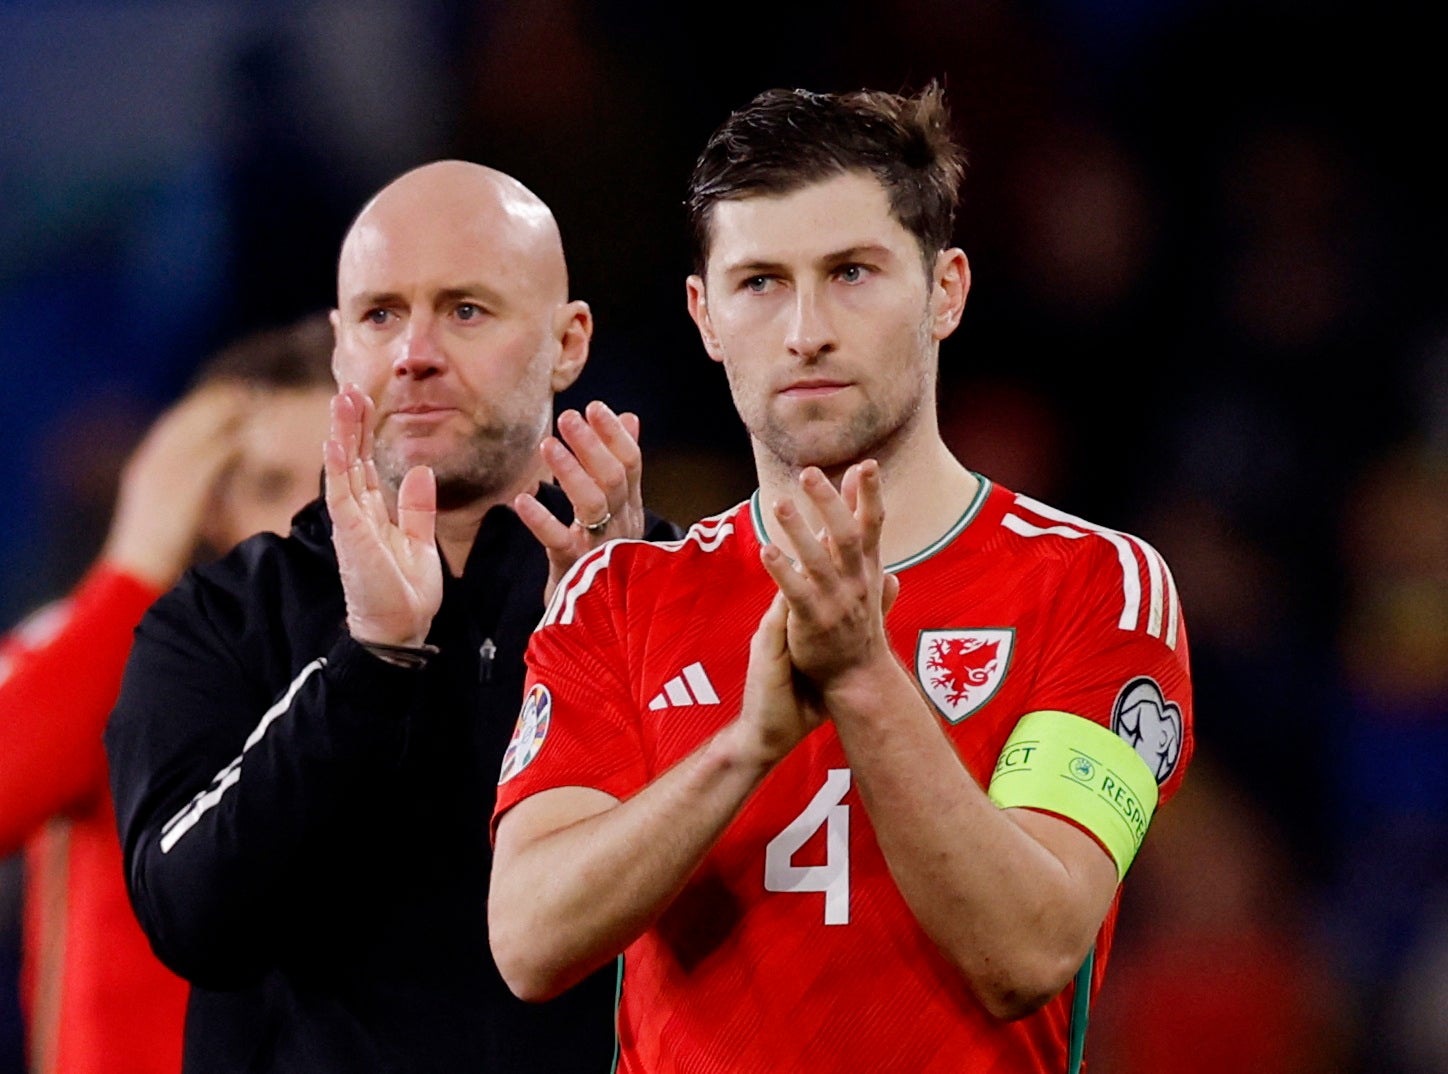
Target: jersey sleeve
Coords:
[(60, 671), (1117, 652), (579, 722)]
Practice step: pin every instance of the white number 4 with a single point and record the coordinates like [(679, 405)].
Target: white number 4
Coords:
[(833, 877)]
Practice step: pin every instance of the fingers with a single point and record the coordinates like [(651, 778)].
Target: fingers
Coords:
[(417, 505), (344, 477), (771, 641), (851, 520), (368, 420), (630, 422), (553, 535), (589, 499), (193, 441), (888, 592), (342, 504), (597, 462), (170, 479), (793, 586), (867, 502), (348, 464), (841, 528), (345, 426), (810, 552)]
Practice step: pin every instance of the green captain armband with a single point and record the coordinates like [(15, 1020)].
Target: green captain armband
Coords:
[(1069, 766)]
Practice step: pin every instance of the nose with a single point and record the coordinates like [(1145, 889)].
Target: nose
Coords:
[(420, 356), (811, 331)]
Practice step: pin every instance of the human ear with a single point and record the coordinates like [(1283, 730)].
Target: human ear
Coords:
[(335, 319), (699, 311), (573, 325), (950, 283)]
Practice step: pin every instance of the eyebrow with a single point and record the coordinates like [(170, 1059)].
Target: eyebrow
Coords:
[(860, 251), (484, 294)]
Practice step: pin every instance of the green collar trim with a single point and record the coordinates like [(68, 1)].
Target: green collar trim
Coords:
[(982, 493)]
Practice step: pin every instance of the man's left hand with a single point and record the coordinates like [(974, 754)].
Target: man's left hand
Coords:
[(596, 462), (837, 589)]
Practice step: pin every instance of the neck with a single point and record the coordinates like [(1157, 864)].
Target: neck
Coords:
[(457, 526), (924, 486)]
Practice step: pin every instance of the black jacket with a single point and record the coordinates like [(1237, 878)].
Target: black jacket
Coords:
[(305, 827)]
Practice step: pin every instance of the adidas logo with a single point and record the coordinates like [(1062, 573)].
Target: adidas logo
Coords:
[(690, 687)]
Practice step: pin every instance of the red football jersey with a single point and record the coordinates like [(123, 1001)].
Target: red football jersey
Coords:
[(791, 948)]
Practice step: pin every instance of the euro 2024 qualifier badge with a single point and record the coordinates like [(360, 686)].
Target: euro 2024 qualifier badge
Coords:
[(528, 735), (960, 670)]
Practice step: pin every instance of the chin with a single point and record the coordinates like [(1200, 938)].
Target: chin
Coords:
[(396, 457), (827, 456)]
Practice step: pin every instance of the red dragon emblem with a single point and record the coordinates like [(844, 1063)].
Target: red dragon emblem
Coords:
[(960, 669)]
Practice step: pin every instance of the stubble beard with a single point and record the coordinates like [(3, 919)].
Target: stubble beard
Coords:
[(870, 432), (816, 440), (490, 461)]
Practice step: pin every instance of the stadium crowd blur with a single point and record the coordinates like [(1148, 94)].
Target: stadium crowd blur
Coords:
[(1209, 307)]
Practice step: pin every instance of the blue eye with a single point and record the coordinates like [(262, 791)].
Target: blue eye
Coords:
[(851, 273), (757, 284), (375, 316), (467, 311)]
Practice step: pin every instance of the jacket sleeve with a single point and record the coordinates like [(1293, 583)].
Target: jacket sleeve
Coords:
[(228, 789), (60, 671)]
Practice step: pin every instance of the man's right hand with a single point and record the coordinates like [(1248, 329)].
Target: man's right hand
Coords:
[(776, 713), (169, 482), (391, 570)]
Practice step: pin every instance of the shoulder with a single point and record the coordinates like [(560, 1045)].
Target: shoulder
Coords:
[(266, 576), (650, 566), (1095, 563)]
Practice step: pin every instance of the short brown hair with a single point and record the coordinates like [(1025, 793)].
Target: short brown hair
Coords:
[(788, 138), (289, 358)]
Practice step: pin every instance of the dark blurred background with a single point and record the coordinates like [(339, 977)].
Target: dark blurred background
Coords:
[(1209, 308)]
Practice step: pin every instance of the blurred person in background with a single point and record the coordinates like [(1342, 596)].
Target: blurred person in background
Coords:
[(236, 456), (303, 776)]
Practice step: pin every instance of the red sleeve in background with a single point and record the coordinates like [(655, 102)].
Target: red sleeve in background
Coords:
[(60, 672)]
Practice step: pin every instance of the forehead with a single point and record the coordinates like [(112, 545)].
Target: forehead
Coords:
[(839, 213), (410, 250)]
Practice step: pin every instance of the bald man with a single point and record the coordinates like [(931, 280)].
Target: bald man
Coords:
[(306, 749)]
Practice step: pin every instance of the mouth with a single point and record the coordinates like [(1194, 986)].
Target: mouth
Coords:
[(419, 416), (814, 388)]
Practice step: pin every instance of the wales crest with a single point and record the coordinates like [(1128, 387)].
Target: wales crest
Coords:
[(960, 670)]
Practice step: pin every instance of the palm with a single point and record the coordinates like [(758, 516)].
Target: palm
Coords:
[(391, 571)]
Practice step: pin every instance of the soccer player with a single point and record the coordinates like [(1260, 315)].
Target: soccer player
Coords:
[(853, 772)]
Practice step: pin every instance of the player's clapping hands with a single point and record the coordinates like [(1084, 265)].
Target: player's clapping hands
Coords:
[(827, 621), (836, 590)]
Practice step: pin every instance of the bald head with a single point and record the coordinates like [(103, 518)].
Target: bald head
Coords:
[(437, 213), (453, 316)]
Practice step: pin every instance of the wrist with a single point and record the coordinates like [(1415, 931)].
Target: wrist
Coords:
[(158, 571), (741, 747), (366, 633), (863, 687), (405, 656)]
